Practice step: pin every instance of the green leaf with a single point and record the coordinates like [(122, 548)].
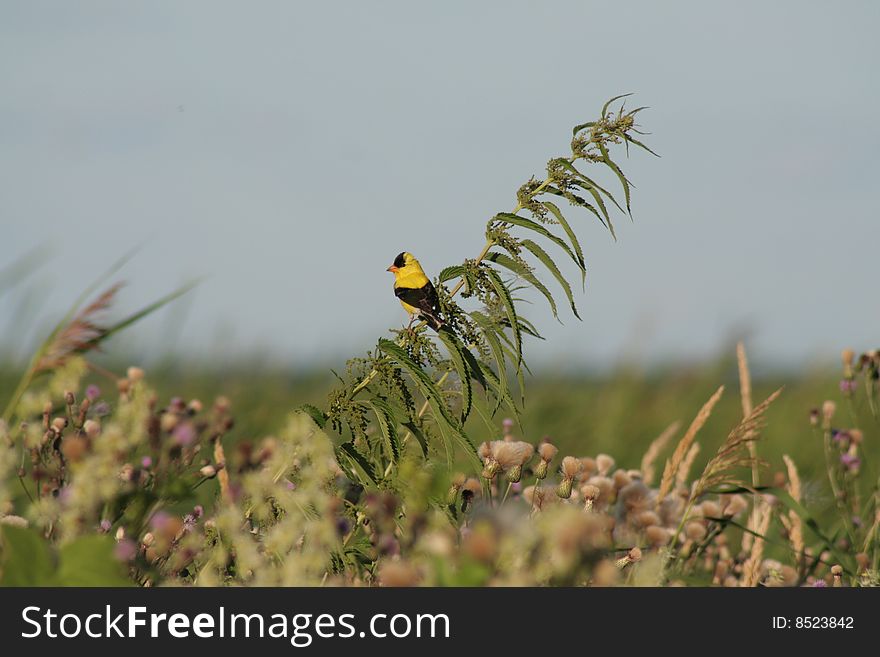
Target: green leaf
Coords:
[(315, 413), (388, 426), (845, 560), (89, 561), (542, 255), (487, 328), (504, 294), (515, 219), (455, 350), (443, 418), (594, 190), (518, 269), (572, 237), (616, 169), (635, 141), (25, 559), (361, 466), (606, 105), (581, 126), (455, 271), (416, 431)]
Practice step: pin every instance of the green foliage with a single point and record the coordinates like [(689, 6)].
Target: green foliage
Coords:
[(468, 364), (27, 560)]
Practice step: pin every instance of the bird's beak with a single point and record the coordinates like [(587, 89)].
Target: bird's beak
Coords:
[(392, 269)]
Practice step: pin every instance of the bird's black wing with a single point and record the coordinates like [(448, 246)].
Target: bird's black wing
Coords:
[(425, 300)]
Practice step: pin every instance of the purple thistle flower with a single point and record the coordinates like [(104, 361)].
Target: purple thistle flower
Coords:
[(850, 462), (198, 510), (125, 550), (184, 434), (147, 462), (159, 520), (93, 392), (847, 385), (102, 409), (819, 584), (106, 525)]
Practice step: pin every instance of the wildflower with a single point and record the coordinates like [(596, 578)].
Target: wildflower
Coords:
[(505, 456), (102, 409), (819, 584), (837, 573), (590, 493), (604, 463), (570, 469), (106, 525), (547, 452), (125, 550), (633, 556), (828, 409), (93, 392), (146, 462), (850, 462), (621, 479), (507, 428), (184, 434), (848, 386)]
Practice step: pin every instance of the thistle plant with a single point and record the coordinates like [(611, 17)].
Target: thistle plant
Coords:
[(422, 386)]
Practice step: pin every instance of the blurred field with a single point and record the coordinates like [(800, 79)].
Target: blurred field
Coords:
[(619, 413)]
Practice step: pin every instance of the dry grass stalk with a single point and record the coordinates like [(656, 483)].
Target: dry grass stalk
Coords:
[(222, 473), (684, 471), (752, 566), (795, 524), (721, 469), (674, 463), (745, 393), (657, 445)]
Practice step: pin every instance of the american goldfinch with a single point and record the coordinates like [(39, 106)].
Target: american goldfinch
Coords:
[(415, 290)]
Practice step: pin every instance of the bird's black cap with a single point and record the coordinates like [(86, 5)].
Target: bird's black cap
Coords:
[(399, 260)]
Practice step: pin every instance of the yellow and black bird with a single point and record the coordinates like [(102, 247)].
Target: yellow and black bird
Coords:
[(415, 290)]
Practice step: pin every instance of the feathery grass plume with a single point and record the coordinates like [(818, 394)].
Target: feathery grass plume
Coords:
[(745, 390), (684, 470), (721, 468), (657, 445), (795, 523), (681, 450), (751, 569)]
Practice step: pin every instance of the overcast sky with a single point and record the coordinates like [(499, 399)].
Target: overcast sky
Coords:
[(287, 151)]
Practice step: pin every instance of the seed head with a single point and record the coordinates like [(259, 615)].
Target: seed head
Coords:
[(135, 374), (604, 463), (547, 451), (571, 467)]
